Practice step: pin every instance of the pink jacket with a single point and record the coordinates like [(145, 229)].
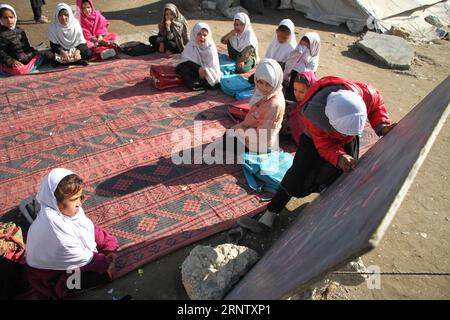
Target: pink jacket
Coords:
[(265, 114)]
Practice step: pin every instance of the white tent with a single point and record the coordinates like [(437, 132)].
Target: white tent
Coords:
[(380, 15)]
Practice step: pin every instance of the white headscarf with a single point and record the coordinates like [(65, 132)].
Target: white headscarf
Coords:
[(205, 56), (270, 71), (281, 51), (347, 112), (7, 6), (56, 241), (68, 36), (247, 37), (302, 58)]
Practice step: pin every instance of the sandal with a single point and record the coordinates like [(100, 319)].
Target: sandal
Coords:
[(250, 224), (235, 235), (43, 19)]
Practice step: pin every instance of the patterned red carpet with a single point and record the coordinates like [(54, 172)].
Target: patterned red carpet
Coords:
[(107, 124)]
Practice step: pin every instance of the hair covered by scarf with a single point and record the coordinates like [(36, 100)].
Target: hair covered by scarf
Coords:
[(93, 25), (7, 6), (68, 36), (179, 25), (347, 112), (206, 56)]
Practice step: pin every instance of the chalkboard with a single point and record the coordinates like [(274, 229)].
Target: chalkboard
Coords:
[(349, 218)]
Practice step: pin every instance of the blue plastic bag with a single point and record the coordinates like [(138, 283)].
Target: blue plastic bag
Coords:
[(227, 65), (264, 172), (233, 84)]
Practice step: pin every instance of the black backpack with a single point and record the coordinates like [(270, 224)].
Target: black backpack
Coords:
[(136, 48)]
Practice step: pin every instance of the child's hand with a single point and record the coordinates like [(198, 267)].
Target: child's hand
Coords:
[(202, 73), (161, 47), (168, 23), (17, 64), (240, 65), (112, 266), (346, 163), (388, 128), (64, 55)]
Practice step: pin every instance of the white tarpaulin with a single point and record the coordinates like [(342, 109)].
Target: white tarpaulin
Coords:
[(380, 15)]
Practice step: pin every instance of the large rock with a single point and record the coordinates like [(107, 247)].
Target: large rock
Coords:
[(229, 7), (391, 50), (208, 273), (231, 12)]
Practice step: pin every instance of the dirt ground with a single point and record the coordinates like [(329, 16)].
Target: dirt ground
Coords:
[(418, 238)]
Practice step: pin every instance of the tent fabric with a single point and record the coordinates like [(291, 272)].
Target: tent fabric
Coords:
[(380, 15)]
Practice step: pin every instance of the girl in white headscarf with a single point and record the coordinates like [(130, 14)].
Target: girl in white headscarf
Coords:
[(66, 37), (283, 42), (63, 238), (242, 43), (200, 67), (260, 128), (16, 54), (305, 57)]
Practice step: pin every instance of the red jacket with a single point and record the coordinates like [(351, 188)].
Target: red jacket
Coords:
[(329, 144)]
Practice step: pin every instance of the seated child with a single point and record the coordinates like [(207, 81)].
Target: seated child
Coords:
[(265, 116), (283, 42), (200, 67), (292, 122), (242, 43), (66, 37), (94, 25), (16, 54), (305, 57), (173, 31), (334, 113), (63, 238)]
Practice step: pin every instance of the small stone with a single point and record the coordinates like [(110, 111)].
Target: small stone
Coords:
[(423, 235), (131, 140), (448, 219), (184, 188), (405, 233)]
